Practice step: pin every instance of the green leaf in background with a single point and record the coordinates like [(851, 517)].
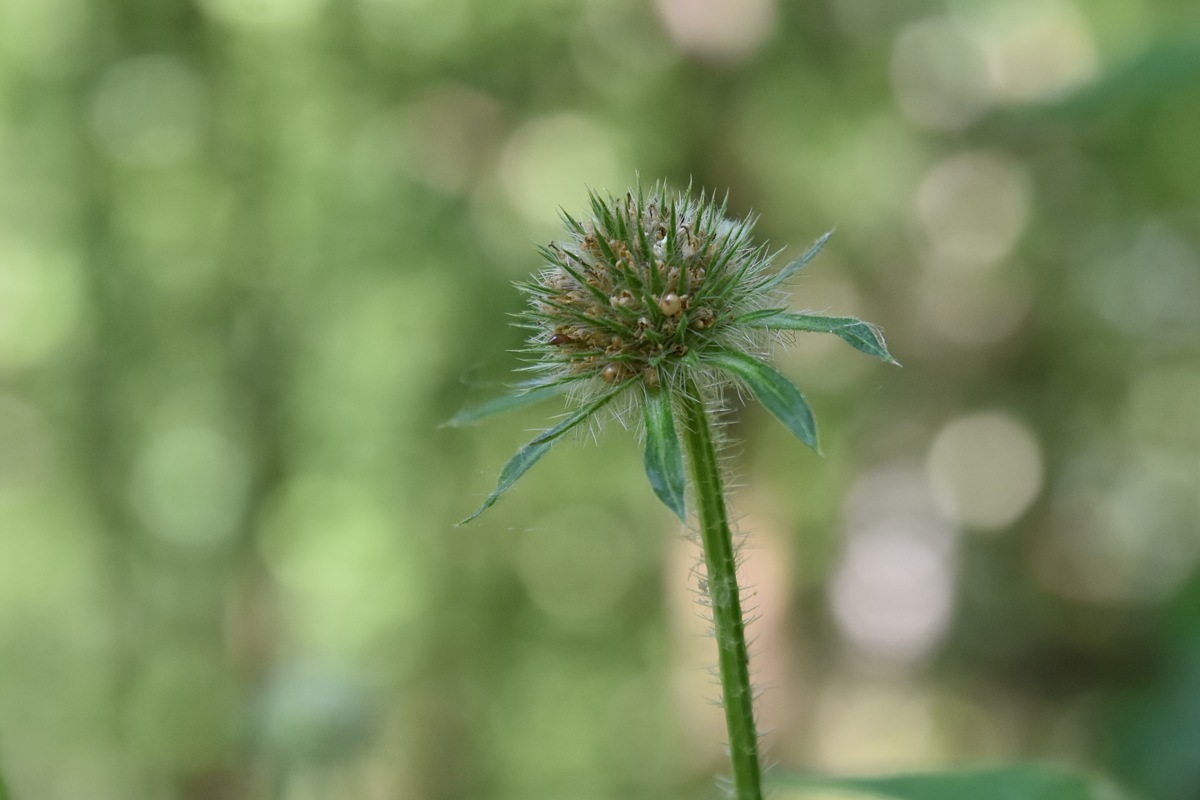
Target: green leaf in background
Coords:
[(795, 266), (1156, 74), (858, 334), (773, 390), (1018, 782), (528, 455), (499, 405), (664, 456)]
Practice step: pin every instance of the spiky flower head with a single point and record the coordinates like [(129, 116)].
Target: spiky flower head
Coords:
[(649, 282), (658, 295)]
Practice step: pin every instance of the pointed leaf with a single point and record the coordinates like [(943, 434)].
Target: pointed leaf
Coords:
[(795, 266), (772, 390), (1018, 782), (664, 455), (858, 334), (528, 455), (508, 402)]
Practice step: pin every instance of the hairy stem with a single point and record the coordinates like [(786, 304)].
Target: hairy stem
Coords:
[(717, 538)]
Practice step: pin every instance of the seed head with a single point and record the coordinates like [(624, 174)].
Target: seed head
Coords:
[(644, 281)]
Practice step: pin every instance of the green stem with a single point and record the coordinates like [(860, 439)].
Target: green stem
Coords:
[(717, 538)]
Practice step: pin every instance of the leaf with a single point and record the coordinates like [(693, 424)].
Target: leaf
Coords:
[(860, 335), (772, 390), (508, 402), (528, 455), (664, 456), (1018, 782), (1154, 75), (795, 266)]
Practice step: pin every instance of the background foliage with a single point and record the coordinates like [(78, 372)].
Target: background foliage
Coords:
[(251, 253)]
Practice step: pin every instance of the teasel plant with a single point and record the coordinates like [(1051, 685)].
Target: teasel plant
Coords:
[(650, 308)]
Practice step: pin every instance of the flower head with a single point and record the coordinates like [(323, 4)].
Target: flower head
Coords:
[(649, 282), (659, 295)]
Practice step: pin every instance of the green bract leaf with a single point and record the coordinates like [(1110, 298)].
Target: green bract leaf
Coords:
[(858, 334), (1019, 782), (528, 455), (472, 415), (772, 390), (664, 456), (795, 266)]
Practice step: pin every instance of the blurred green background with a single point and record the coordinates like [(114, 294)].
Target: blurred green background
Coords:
[(252, 252)]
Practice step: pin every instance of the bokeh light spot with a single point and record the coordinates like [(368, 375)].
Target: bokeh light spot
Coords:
[(350, 576), (1038, 49), (1147, 283), (549, 162), (40, 297), (1125, 527), (939, 73), (44, 35), (892, 591), (970, 310), (148, 111), (972, 208), (717, 29), (576, 566), (986, 469), (313, 712), (189, 486)]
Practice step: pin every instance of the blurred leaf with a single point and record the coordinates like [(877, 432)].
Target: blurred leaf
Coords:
[(1160, 71), (1018, 782), (664, 456), (529, 455), (774, 391), (858, 334), (1154, 730)]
